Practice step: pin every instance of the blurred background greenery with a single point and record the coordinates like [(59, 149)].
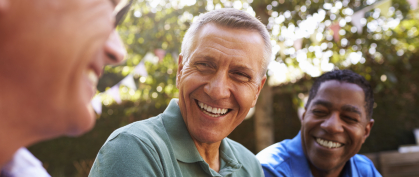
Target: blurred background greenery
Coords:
[(310, 37)]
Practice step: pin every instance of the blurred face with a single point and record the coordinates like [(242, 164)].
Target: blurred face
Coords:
[(334, 126), (220, 81), (53, 52)]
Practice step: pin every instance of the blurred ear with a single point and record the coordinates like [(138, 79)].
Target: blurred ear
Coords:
[(4, 5), (179, 69), (302, 116), (368, 129), (262, 83)]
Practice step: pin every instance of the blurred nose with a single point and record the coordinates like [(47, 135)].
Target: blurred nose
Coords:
[(332, 124), (218, 88), (114, 49)]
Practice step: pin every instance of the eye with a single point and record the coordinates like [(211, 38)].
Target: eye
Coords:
[(349, 118), (203, 64), (319, 112), (242, 77), (204, 67)]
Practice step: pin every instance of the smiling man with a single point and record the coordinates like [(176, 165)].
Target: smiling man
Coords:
[(51, 55), (334, 126), (221, 71)]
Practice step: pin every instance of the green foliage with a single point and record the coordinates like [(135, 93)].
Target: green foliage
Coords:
[(382, 39), (390, 63)]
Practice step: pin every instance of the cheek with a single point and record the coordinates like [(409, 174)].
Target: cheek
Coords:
[(188, 82), (190, 79), (356, 135), (244, 95), (310, 124)]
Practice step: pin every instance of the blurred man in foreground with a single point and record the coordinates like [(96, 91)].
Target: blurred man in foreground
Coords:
[(221, 71), (51, 55), (334, 126)]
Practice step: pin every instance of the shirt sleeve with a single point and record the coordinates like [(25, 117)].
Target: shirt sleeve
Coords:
[(126, 155), (374, 170), (269, 171), (365, 166)]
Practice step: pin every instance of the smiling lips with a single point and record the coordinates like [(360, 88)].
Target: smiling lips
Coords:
[(213, 112), (328, 144)]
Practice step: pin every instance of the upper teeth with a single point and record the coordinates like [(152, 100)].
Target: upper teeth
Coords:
[(328, 144), (92, 77), (211, 109)]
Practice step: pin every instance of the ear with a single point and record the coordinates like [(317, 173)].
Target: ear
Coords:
[(262, 83), (179, 69), (4, 5), (302, 116), (368, 129)]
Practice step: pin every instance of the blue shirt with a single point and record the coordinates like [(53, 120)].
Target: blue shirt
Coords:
[(287, 158)]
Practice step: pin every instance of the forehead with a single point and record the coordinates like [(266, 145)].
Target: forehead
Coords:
[(223, 42), (231, 36), (340, 94)]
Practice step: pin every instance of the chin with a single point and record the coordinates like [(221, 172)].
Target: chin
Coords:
[(82, 124), (208, 137), (327, 167)]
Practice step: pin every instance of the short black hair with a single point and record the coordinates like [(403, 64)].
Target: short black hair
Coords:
[(347, 76)]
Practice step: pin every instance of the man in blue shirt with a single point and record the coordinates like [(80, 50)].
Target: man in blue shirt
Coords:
[(335, 124)]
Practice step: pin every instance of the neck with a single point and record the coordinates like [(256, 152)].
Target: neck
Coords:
[(326, 173), (7, 149), (210, 153), (11, 140), (15, 122)]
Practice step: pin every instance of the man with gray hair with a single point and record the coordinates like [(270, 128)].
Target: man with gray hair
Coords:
[(221, 71)]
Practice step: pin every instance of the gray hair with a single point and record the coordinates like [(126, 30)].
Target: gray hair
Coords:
[(231, 18)]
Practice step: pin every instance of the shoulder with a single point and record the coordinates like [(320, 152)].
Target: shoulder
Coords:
[(141, 138), (365, 166), (147, 131), (129, 146), (275, 159), (362, 160), (275, 154)]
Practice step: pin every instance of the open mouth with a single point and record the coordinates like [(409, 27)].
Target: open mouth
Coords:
[(328, 144), (213, 112), (92, 76)]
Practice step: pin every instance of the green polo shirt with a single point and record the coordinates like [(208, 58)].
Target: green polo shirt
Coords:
[(161, 146)]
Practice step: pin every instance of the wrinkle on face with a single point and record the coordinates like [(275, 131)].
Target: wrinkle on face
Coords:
[(215, 73)]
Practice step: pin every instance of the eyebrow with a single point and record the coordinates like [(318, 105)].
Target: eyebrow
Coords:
[(206, 57), (350, 108), (113, 2), (239, 67), (121, 13), (323, 103)]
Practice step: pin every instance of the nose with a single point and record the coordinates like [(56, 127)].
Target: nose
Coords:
[(332, 124), (217, 88), (114, 49)]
